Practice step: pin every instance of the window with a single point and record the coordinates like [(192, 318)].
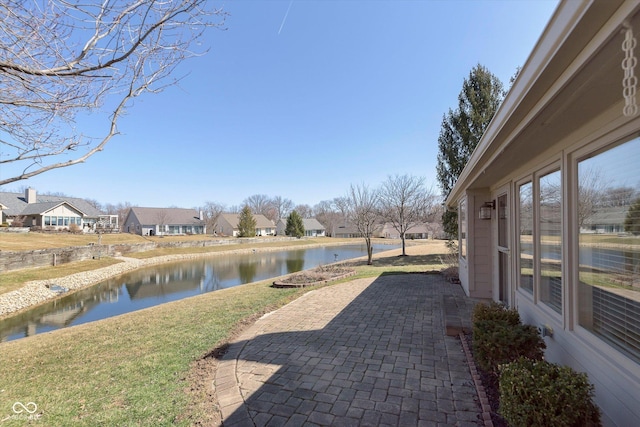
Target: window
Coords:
[(550, 240), (525, 218), (463, 227), (608, 226)]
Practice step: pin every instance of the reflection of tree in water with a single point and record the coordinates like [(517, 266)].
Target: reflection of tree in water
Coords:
[(210, 280), (247, 271), (294, 264)]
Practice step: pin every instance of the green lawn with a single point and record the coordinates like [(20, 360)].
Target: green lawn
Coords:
[(137, 368), (16, 279), (127, 370)]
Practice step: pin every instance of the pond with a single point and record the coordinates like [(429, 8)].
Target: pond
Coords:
[(159, 284)]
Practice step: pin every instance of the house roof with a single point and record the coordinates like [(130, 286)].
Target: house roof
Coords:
[(572, 75), (608, 216), (17, 205), (40, 208), (166, 216), (312, 224), (261, 220), (346, 228), (308, 223)]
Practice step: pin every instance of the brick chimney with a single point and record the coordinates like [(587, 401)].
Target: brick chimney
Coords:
[(30, 195)]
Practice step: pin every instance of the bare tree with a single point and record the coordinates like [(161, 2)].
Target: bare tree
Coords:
[(405, 202), (121, 209), (363, 212), (342, 205), (591, 188), (305, 211), (620, 196), (327, 215), (258, 203), (61, 61), (234, 209), (212, 212), (280, 208), (434, 218), (96, 204)]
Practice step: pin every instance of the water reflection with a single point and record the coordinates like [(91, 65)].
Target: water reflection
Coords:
[(247, 271), (169, 282), (295, 264)]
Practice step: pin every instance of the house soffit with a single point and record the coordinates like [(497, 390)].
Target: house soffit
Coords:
[(583, 79)]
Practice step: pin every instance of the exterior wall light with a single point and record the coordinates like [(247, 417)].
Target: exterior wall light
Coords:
[(485, 210)]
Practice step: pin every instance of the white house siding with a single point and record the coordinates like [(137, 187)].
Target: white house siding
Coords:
[(63, 212), (565, 106), (479, 247), (615, 376)]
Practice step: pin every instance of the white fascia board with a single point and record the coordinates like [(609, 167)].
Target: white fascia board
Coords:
[(564, 21)]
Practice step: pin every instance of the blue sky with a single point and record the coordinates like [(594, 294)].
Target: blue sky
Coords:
[(338, 93)]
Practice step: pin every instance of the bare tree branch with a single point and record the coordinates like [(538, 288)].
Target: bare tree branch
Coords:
[(363, 212), (281, 207), (62, 60), (405, 202), (259, 204), (212, 212)]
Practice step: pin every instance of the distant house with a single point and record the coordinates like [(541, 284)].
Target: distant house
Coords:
[(607, 220), (348, 230), (419, 231), (312, 227), (53, 212), (163, 221), (228, 225)]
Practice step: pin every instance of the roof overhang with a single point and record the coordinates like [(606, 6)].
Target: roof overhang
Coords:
[(572, 75)]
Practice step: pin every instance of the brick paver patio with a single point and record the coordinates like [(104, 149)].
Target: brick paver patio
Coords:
[(370, 352)]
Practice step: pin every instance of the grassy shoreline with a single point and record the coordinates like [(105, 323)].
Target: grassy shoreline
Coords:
[(24, 284), (16, 279), (135, 369)]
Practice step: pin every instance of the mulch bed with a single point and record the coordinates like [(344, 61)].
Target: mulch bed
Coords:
[(490, 386), (314, 277)]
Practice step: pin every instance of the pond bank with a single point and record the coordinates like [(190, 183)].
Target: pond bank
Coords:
[(41, 291)]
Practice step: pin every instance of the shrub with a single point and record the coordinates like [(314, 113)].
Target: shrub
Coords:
[(499, 337), (539, 393), (75, 229), (19, 221), (496, 342), (495, 311)]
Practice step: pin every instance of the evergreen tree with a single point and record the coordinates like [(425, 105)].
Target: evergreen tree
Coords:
[(295, 226), (632, 220), (479, 99), (246, 223)]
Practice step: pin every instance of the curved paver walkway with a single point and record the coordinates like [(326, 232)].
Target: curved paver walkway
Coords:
[(369, 352)]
